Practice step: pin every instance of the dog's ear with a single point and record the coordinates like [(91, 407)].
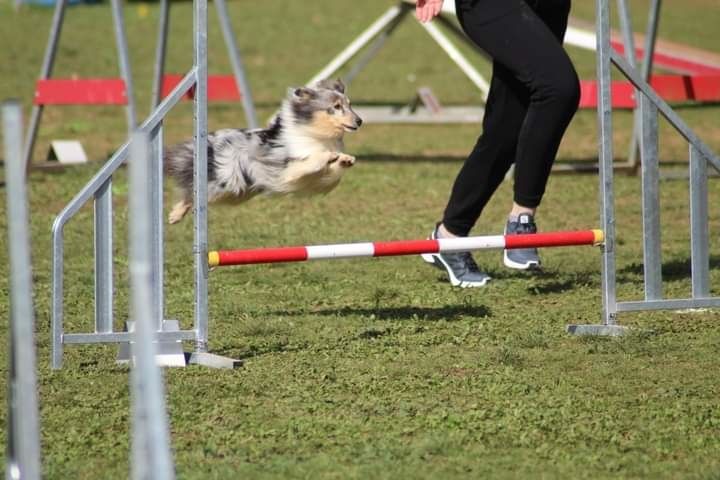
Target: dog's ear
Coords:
[(303, 93), (336, 85)]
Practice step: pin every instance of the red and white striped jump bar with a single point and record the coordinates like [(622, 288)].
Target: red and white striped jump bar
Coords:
[(396, 248)]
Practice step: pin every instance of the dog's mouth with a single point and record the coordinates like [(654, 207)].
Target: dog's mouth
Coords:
[(350, 128)]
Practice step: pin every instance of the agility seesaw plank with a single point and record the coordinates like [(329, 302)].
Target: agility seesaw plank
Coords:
[(403, 247)]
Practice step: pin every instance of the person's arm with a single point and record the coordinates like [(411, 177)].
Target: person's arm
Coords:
[(425, 10)]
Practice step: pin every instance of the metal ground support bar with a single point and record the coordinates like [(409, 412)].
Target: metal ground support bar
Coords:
[(103, 233), (699, 230), (609, 325), (82, 197), (124, 61), (650, 173), (160, 52), (151, 457), (669, 304), (665, 109), (124, 337), (237, 64), (23, 432), (45, 72)]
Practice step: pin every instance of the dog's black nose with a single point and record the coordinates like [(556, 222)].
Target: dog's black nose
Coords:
[(359, 121)]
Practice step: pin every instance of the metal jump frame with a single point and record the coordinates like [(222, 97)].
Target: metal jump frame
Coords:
[(99, 189), (650, 104), (49, 63)]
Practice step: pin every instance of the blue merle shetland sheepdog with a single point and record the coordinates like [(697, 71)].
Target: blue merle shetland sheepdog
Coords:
[(299, 153)]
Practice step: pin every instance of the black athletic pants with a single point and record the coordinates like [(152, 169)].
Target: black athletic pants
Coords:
[(534, 93)]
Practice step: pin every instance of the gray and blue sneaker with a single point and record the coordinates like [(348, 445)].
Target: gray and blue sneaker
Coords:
[(522, 258), (461, 268)]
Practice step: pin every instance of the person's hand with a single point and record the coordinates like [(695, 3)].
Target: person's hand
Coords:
[(425, 10)]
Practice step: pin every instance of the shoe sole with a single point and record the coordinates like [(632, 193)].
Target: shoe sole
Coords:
[(438, 262), (532, 265)]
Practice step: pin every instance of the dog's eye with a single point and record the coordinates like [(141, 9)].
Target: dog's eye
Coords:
[(338, 106)]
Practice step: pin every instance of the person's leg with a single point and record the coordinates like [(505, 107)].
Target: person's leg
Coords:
[(553, 102), (492, 156), (532, 55)]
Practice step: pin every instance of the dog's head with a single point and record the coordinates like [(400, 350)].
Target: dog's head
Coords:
[(323, 109)]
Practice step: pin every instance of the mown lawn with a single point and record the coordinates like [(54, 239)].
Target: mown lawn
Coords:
[(374, 368)]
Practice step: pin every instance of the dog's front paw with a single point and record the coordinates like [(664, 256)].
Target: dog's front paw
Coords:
[(346, 160), (333, 157)]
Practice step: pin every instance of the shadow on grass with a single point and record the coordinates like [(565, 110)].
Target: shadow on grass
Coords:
[(432, 314), (672, 270)]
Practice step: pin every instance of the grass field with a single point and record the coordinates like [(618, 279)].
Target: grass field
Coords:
[(374, 368)]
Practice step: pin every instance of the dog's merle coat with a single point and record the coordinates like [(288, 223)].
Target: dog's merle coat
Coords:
[(300, 152)]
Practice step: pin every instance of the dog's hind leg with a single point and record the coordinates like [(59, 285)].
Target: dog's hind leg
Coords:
[(179, 210)]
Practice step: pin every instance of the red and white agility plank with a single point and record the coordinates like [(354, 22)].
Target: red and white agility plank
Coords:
[(403, 247)]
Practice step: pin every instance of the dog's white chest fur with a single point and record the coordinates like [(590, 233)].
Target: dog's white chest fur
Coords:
[(314, 165)]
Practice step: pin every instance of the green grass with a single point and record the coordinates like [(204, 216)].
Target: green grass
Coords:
[(373, 368)]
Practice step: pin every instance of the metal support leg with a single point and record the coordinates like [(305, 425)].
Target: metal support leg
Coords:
[(104, 259), (456, 56), (58, 305), (155, 166), (647, 65), (607, 208), (45, 72), (375, 47), (200, 198), (652, 255), (200, 246), (358, 44), (23, 431), (237, 64), (124, 62), (151, 457), (160, 52), (699, 232)]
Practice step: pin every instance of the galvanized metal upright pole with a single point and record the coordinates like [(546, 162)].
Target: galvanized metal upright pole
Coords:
[(200, 191), (699, 228), (646, 69), (650, 173), (607, 207), (124, 62), (155, 167), (237, 63), (151, 457), (23, 433), (45, 72), (160, 52)]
